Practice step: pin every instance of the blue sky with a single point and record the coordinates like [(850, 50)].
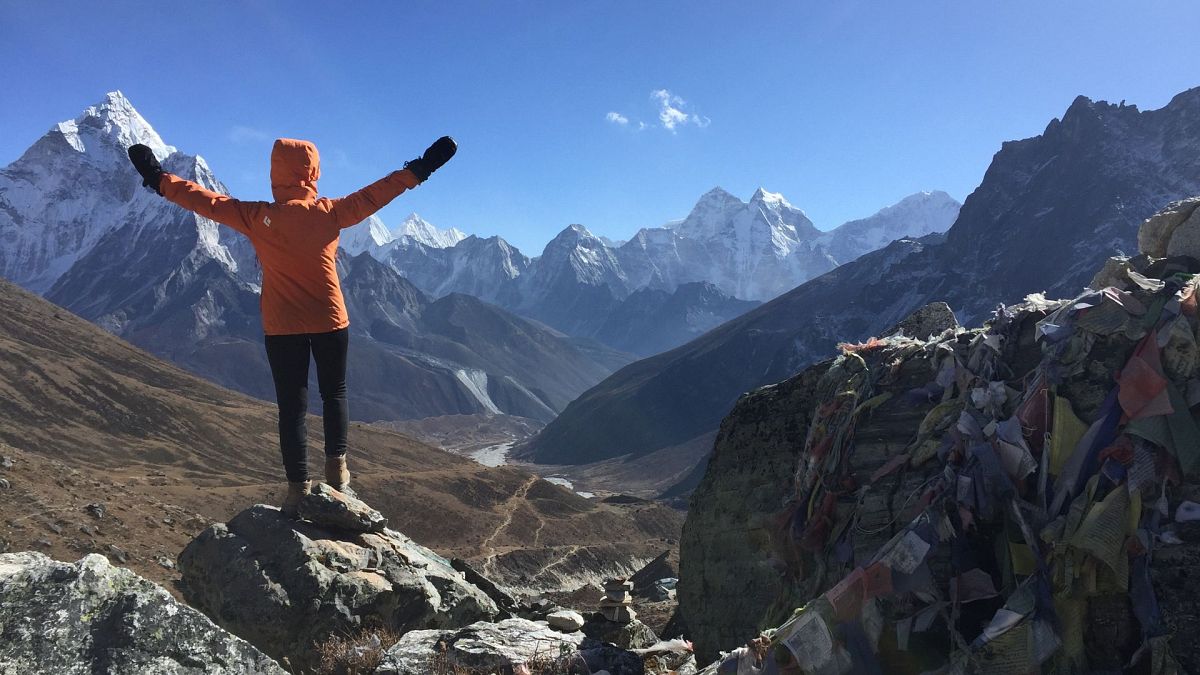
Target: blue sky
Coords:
[(844, 107)]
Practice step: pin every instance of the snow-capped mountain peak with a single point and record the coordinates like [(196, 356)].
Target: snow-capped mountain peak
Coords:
[(416, 228), (916, 215), (372, 236), (114, 122), (75, 185), (761, 196)]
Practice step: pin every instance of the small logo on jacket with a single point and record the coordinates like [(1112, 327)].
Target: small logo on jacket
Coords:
[(267, 221)]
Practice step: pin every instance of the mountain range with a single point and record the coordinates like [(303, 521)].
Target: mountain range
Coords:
[(468, 324), (76, 226), (727, 255), (1049, 211)]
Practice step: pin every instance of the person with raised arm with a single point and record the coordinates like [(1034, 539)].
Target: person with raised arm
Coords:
[(296, 238)]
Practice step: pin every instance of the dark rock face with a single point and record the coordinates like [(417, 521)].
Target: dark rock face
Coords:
[(1049, 211), (92, 618), (288, 586), (652, 321), (468, 356), (932, 319)]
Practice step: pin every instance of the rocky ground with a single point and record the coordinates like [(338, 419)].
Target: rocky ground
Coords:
[(335, 591)]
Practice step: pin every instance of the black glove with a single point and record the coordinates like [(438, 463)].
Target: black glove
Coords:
[(146, 164), (435, 156)]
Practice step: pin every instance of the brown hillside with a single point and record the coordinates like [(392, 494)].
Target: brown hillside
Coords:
[(89, 419)]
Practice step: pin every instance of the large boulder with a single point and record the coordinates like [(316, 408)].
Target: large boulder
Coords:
[(288, 586), (480, 647), (1156, 234), (91, 618)]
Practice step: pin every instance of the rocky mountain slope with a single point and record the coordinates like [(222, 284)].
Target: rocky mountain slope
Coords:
[(1013, 498), (76, 226), (104, 448), (1050, 209)]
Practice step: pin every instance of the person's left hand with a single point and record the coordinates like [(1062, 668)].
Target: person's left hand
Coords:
[(146, 164)]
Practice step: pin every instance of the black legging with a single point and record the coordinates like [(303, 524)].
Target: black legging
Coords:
[(288, 356)]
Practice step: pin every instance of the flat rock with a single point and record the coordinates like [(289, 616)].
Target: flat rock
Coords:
[(329, 508), (91, 618), (288, 586), (1156, 232), (565, 620), (481, 646)]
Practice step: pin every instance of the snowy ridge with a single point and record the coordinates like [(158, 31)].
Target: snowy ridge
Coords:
[(373, 236), (73, 187), (414, 228), (914, 216)]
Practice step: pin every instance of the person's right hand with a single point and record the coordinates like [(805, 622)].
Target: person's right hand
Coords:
[(146, 164), (435, 156)]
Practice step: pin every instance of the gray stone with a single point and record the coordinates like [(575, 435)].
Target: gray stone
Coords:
[(928, 321), (504, 600), (631, 635), (329, 508), (602, 657), (482, 646), (1155, 234), (1115, 273), (4, 484), (565, 620), (1185, 239), (116, 552), (288, 586), (89, 617)]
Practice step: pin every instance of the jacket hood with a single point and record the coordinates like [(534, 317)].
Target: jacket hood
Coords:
[(295, 168)]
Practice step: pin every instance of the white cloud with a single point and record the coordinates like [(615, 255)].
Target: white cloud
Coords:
[(241, 134), (671, 114)]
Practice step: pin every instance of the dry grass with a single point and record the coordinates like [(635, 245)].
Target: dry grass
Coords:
[(358, 654)]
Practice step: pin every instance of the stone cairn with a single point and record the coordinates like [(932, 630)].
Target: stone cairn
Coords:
[(618, 599)]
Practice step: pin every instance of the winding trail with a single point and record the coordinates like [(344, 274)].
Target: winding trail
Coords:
[(571, 550), (509, 507)]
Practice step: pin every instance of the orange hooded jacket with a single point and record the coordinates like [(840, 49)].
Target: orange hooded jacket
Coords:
[(296, 236)]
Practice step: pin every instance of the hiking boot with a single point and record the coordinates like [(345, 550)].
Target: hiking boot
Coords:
[(291, 503), (336, 473)]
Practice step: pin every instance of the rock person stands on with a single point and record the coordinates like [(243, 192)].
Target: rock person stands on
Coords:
[(296, 238)]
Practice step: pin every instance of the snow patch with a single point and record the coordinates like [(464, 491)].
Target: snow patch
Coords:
[(476, 383)]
